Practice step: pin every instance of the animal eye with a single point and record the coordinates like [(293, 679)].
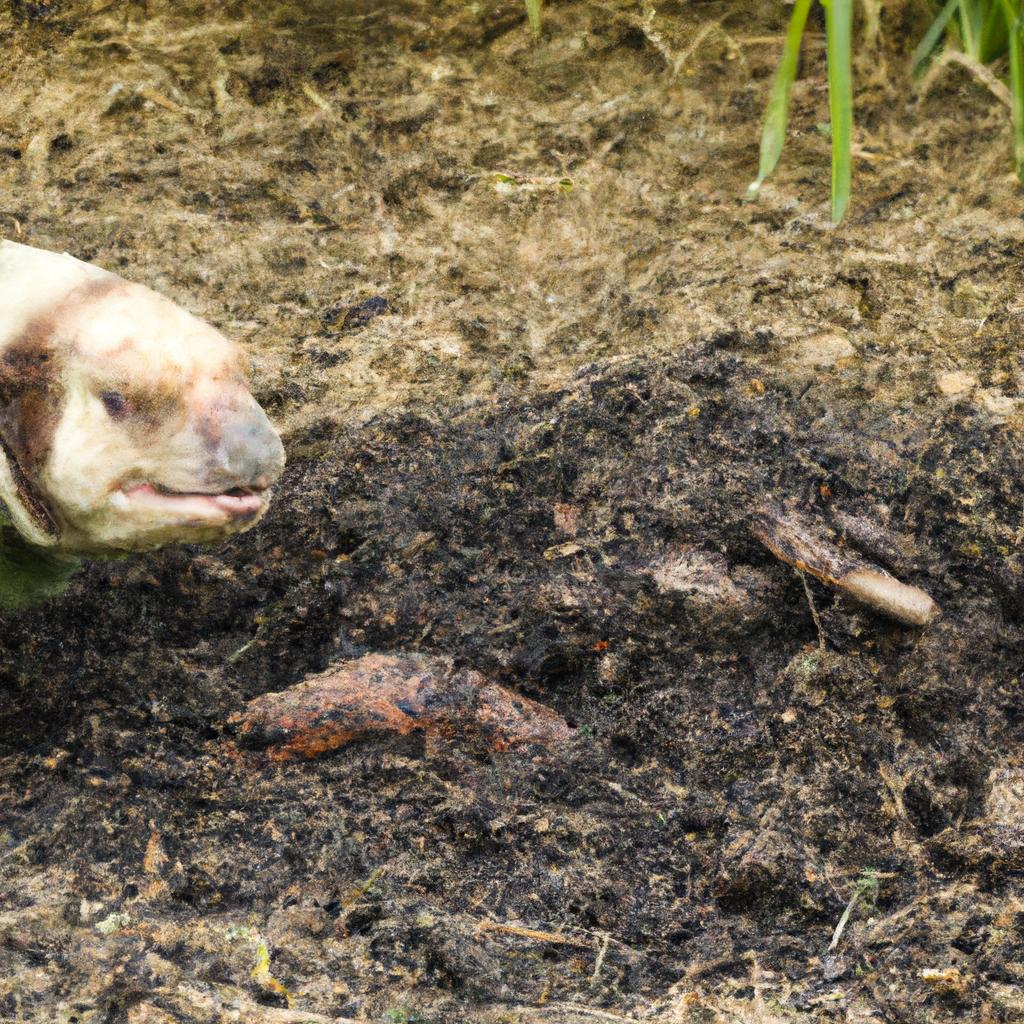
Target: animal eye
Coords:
[(115, 403)]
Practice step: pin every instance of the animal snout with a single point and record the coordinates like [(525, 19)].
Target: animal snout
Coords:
[(249, 451)]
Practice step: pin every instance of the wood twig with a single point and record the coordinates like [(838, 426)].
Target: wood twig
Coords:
[(794, 542), (559, 938), (814, 611), (586, 1011), (599, 961)]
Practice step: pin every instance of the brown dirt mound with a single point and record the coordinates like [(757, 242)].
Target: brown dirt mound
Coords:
[(730, 784)]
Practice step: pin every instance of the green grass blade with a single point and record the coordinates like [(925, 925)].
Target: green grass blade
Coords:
[(931, 38), (839, 30), (1016, 48), (776, 117), (971, 15), (995, 33), (533, 13)]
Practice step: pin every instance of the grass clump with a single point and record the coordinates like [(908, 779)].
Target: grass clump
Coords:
[(839, 31), (985, 32)]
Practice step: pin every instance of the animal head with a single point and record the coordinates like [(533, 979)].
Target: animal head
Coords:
[(125, 422)]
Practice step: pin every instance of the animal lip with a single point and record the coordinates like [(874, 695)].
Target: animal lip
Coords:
[(236, 503)]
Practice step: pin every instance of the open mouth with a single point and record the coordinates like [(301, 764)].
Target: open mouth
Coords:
[(236, 503)]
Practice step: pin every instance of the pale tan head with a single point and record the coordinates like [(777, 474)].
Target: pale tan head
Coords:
[(126, 423)]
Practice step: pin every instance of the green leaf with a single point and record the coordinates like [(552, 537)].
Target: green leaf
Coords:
[(776, 118), (931, 38), (839, 30)]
